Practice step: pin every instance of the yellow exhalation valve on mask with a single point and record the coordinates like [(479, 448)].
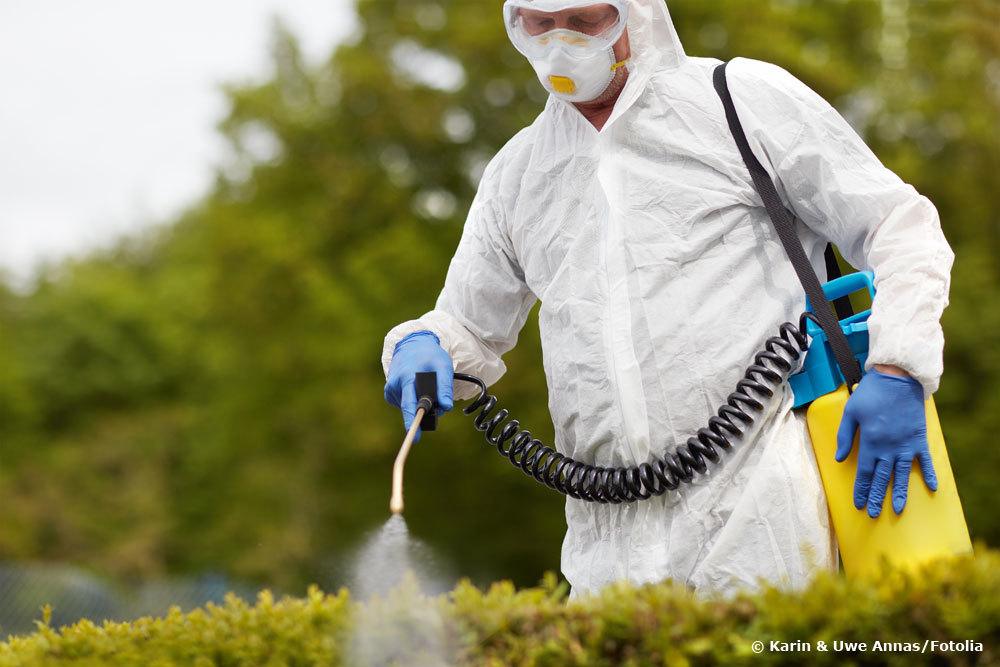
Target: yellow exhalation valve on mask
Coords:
[(562, 84), (932, 524)]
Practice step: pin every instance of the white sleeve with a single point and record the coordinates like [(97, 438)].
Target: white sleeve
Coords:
[(484, 303), (839, 188)]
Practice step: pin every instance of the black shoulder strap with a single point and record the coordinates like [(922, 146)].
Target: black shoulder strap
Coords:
[(843, 304), (784, 223)]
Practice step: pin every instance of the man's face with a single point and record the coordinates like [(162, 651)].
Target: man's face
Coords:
[(571, 44)]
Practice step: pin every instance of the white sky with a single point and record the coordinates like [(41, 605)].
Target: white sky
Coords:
[(108, 109)]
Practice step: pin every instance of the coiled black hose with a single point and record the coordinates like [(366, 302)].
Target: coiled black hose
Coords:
[(628, 484)]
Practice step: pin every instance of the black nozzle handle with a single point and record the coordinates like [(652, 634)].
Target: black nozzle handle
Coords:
[(427, 391)]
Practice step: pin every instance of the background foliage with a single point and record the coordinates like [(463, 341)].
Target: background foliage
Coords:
[(208, 396)]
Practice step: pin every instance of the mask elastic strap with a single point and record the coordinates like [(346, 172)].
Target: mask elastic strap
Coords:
[(620, 63)]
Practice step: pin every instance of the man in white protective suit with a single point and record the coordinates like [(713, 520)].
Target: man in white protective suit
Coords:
[(626, 210)]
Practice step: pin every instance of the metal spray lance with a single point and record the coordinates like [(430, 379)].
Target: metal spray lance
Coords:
[(425, 419)]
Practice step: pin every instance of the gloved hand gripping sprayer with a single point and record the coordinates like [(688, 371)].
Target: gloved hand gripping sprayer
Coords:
[(933, 524)]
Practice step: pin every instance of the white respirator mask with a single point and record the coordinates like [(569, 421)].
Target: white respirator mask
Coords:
[(569, 43)]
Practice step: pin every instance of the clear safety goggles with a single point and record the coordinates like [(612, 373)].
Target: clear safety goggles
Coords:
[(536, 27)]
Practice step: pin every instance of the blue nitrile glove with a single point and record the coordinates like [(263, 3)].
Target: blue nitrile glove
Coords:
[(889, 410), (418, 353)]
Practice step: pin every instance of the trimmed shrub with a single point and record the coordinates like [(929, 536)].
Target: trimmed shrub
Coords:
[(955, 601)]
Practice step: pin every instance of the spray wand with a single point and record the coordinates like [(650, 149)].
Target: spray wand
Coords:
[(425, 419)]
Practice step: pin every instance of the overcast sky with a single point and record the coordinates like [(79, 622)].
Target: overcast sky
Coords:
[(108, 109)]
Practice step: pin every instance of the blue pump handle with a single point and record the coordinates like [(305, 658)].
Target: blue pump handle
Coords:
[(848, 284), (843, 286), (820, 374)]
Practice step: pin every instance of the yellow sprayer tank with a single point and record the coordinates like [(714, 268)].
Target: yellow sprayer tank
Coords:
[(932, 525)]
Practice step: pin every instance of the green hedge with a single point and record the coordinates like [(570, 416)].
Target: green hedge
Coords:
[(652, 625)]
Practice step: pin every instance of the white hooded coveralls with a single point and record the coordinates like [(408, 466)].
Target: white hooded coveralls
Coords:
[(660, 275)]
